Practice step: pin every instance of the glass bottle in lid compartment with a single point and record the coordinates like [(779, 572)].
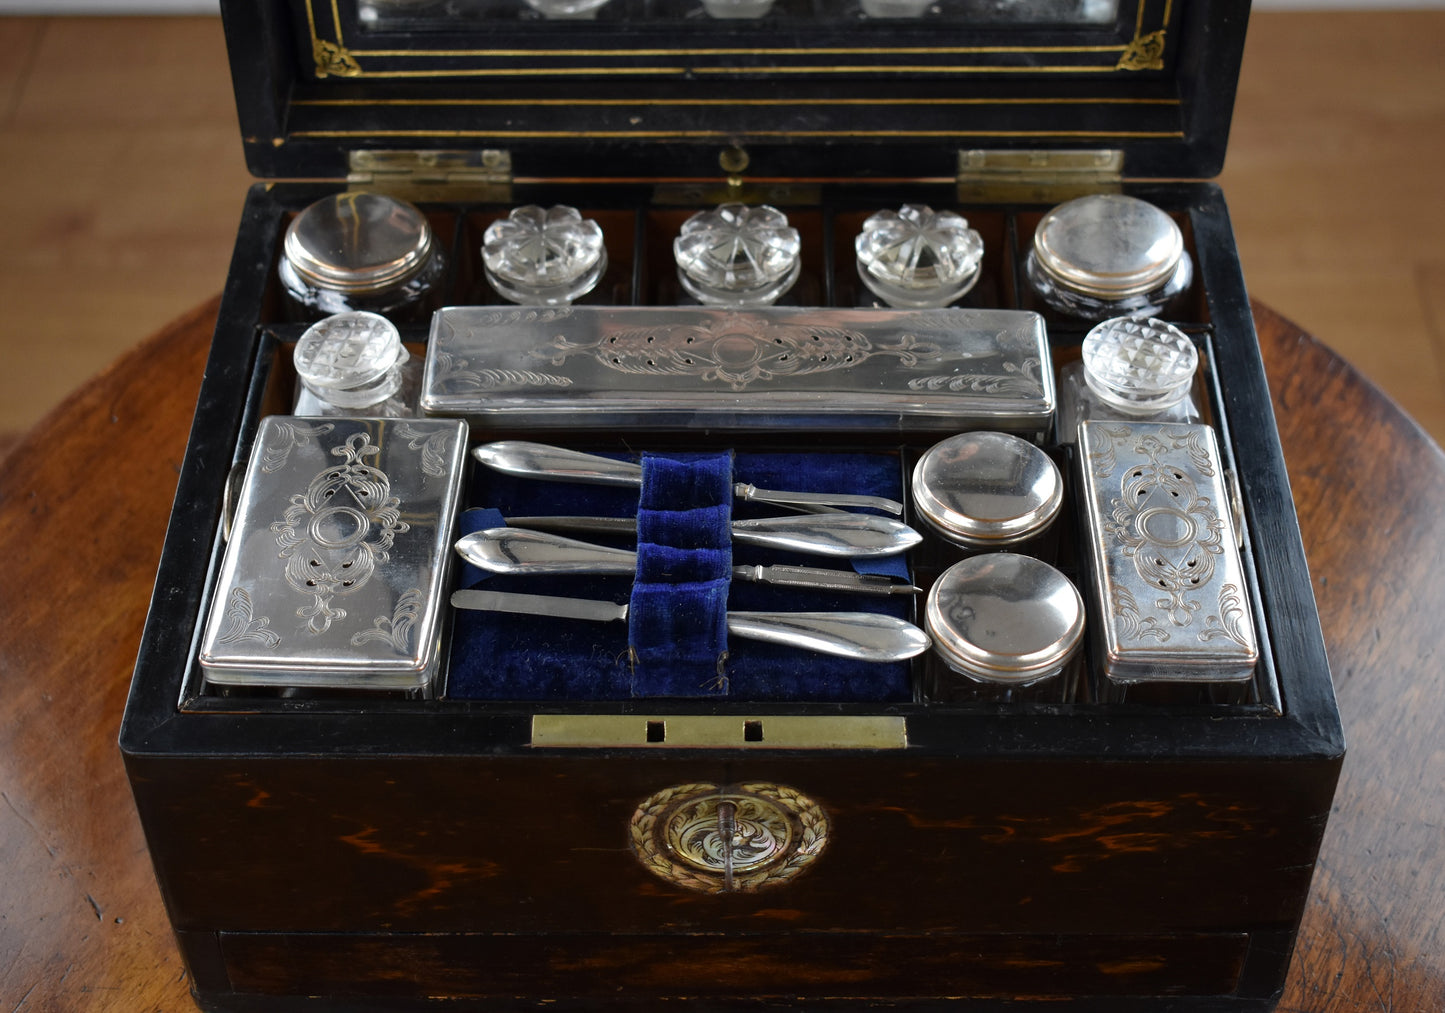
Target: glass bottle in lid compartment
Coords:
[(918, 258), (736, 255), (543, 256), (360, 251), (1108, 255)]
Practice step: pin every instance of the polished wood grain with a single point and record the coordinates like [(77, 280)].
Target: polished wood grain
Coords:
[(83, 505)]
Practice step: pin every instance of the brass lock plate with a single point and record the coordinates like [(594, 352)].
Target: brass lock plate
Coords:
[(728, 838)]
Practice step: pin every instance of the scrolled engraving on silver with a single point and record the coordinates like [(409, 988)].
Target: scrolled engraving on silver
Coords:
[(396, 628), (1230, 620), (435, 448), (240, 622), (335, 534), (1169, 529), (289, 436), (1017, 378), (738, 349), (458, 375)]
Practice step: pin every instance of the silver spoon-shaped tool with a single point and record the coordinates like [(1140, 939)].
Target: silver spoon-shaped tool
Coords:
[(842, 535), (864, 636), (539, 460), (521, 552)]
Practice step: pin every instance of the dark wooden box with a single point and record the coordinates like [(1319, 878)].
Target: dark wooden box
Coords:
[(367, 853)]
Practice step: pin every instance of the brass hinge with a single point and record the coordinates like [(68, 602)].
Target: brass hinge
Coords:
[(1044, 177), (484, 175)]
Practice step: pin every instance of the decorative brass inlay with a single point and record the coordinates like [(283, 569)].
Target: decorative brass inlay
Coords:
[(333, 59), (1144, 52), (728, 838)]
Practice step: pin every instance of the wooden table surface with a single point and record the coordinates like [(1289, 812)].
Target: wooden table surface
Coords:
[(84, 500)]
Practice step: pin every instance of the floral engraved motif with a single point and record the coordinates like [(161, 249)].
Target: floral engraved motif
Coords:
[(433, 446), (1170, 531), (457, 374), (289, 436), (240, 623), (1230, 620), (1017, 378), (395, 630), (737, 349), (1144, 52), (1133, 626), (333, 59), (335, 534)]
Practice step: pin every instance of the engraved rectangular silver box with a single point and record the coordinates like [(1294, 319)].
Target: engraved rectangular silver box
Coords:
[(755, 369), (1169, 582), (334, 574)]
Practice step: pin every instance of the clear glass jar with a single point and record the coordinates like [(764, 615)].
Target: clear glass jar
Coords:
[(736, 255), (918, 258), (543, 256), (351, 362), (360, 251), (1132, 370), (1108, 255)]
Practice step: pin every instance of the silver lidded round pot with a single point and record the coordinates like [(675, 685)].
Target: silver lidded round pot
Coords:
[(1004, 619), (986, 490), (1108, 255), (360, 251)]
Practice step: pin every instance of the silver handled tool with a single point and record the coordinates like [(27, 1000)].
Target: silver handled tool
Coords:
[(539, 460), (520, 552), (842, 535), (863, 636)]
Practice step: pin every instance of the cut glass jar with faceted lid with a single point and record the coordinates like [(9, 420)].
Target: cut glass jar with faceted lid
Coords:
[(351, 360), (1108, 255), (918, 258), (543, 256), (360, 251), (1132, 369), (736, 255), (1004, 619)]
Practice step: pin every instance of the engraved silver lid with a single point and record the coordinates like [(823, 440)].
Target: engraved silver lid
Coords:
[(918, 258), (358, 242), (351, 360), (987, 490), (543, 256), (1139, 366), (1108, 245), (1004, 618), (735, 255), (335, 572)]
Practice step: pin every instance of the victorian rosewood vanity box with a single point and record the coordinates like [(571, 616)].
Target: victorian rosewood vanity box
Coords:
[(383, 802)]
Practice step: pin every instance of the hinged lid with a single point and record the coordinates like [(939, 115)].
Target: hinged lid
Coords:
[(818, 89)]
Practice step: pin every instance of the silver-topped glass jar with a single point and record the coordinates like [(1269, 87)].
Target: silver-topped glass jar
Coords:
[(360, 251), (543, 256), (918, 258), (736, 255), (1132, 369), (985, 491), (1004, 622), (1108, 255)]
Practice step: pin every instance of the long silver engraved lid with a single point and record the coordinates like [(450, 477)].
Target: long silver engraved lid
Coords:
[(1168, 578), (676, 367), (334, 572)]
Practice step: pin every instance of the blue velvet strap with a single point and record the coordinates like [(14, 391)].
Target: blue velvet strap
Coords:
[(677, 616)]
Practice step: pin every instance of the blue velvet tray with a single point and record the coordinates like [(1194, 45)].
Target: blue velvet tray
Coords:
[(675, 644)]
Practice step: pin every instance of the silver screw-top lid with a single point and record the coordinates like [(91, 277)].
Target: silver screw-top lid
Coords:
[(1139, 366), (987, 490), (918, 258), (351, 360), (358, 242), (543, 256), (1108, 245), (737, 255), (1004, 618)]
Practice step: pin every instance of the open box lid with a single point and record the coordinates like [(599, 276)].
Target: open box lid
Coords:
[(657, 89)]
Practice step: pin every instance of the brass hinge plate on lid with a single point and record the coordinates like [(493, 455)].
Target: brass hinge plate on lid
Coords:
[(1037, 176), (433, 176)]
